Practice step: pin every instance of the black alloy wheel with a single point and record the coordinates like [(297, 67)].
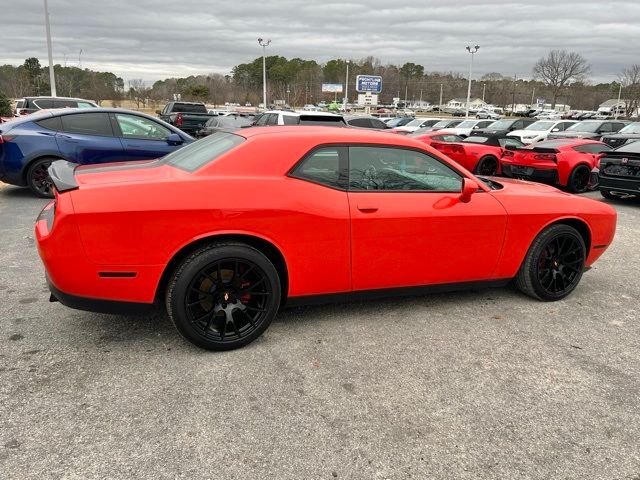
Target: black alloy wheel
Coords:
[(487, 165), (38, 178), (224, 296), (554, 264), (579, 179)]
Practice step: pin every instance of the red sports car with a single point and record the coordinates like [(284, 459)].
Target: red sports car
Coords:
[(479, 154), (435, 136), (226, 230), (565, 162)]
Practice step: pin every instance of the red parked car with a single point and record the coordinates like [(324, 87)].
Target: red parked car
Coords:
[(435, 136), (226, 230), (479, 154), (564, 162)]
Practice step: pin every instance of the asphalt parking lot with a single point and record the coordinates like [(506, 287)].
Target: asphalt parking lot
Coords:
[(482, 384)]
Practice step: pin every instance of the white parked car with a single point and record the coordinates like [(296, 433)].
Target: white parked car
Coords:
[(487, 114), (465, 128), (311, 108), (286, 117), (418, 122), (538, 131)]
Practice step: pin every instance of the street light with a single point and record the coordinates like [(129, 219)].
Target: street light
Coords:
[(264, 46), (346, 88), (472, 51), (52, 76)]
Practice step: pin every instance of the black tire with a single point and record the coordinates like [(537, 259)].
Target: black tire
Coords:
[(579, 179), (554, 264), (38, 179), (487, 165), (223, 286), (607, 194)]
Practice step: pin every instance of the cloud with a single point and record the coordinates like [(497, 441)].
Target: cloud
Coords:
[(154, 39)]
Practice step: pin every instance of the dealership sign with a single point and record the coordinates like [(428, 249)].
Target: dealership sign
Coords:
[(332, 87), (369, 83)]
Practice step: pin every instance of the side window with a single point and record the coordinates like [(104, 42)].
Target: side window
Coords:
[(85, 105), (360, 122), (52, 123), (43, 103), (518, 125), (591, 148), (133, 126), (262, 120), (617, 126), (326, 166), (395, 169), (62, 103), (605, 128), (290, 119), (87, 124), (375, 123), (272, 119)]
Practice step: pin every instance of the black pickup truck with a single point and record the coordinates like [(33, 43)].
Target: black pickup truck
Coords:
[(187, 116)]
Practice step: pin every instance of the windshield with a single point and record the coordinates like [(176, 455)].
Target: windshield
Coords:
[(500, 125), (540, 126), (415, 123), (584, 127), (467, 124), (633, 128), (441, 124), (199, 153)]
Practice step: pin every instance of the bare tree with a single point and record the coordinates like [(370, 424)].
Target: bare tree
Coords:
[(560, 68), (138, 92), (630, 80)]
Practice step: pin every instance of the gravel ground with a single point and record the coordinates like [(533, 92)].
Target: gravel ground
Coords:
[(482, 384)]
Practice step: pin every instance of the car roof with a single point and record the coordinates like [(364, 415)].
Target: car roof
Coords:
[(330, 134), (57, 98)]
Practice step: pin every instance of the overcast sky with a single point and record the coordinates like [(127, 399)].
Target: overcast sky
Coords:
[(155, 39)]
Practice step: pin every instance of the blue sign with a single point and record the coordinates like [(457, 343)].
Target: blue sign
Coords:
[(369, 83)]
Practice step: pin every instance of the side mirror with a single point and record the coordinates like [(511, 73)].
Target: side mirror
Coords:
[(158, 112), (469, 187), (174, 139)]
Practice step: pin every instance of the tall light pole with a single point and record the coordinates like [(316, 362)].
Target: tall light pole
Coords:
[(484, 86), (618, 104), (264, 46), (346, 88), (472, 51), (52, 75), (440, 104)]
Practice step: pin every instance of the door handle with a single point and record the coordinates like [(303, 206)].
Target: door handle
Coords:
[(367, 208)]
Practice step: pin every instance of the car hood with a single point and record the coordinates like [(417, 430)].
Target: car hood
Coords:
[(573, 134), (623, 135), (529, 133)]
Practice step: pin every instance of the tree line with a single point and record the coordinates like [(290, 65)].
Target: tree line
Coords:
[(559, 77)]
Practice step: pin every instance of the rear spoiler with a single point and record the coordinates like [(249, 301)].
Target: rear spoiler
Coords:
[(61, 173), (513, 148)]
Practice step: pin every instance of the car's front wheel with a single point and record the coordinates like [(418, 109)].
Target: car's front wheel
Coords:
[(38, 179), (223, 296), (554, 264)]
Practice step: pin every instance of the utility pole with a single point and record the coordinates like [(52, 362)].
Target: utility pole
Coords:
[(440, 105), (618, 104), (346, 88), (52, 75), (472, 51), (484, 86), (80, 60), (264, 70), (406, 90), (533, 93), (513, 100)]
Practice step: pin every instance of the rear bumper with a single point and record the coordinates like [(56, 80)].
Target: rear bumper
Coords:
[(548, 176), (99, 305), (617, 184)]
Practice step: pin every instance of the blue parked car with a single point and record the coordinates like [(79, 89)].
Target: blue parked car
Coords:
[(28, 145)]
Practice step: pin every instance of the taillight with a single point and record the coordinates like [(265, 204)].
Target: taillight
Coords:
[(545, 156), (179, 120)]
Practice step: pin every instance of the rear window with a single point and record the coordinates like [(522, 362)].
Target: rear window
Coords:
[(321, 120), (52, 123), (189, 108), (20, 104), (198, 154), (290, 119)]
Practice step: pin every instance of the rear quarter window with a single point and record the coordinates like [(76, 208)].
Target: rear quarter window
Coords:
[(53, 123), (202, 152)]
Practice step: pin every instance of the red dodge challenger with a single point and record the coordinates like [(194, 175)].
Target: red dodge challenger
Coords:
[(566, 162), (226, 230)]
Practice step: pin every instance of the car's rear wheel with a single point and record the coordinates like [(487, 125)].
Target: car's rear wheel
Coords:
[(38, 179), (554, 264), (579, 179), (223, 296), (487, 165)]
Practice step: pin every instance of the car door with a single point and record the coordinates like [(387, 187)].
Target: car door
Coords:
[(409, 226), (88, 138), (141, 137)]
